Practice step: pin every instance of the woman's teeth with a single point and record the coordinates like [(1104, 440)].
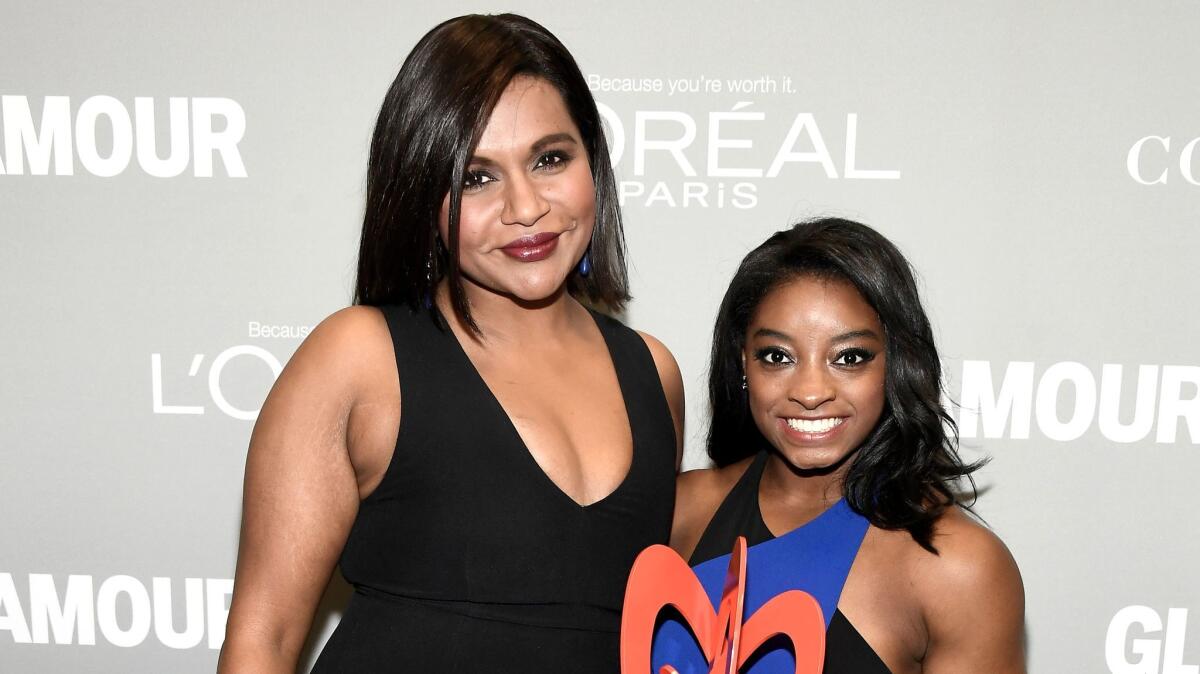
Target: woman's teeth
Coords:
[(814, 425)]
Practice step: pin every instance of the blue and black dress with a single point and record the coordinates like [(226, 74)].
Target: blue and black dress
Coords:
[(815, 558)]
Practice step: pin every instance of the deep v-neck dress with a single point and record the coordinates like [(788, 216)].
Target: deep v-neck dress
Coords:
[(467, 557), (816, 558)]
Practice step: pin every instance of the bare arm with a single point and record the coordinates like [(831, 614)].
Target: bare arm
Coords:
[(672, 383), (697, 494), (301, 494), (974, 602)]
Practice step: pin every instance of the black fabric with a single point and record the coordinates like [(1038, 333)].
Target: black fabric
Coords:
[(846, 652), (738, 515), (467, 557)]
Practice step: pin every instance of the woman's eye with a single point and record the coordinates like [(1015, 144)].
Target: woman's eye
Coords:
[(551, 160), (476, 180), (773, 356), (853, 357)]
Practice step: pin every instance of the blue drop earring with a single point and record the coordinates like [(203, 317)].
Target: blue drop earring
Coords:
[(585, 263)]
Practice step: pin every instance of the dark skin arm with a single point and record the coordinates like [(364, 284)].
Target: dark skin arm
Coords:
[(973, 601), (302, 486)]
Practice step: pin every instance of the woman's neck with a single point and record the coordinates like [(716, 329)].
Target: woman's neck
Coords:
[(807, 490)]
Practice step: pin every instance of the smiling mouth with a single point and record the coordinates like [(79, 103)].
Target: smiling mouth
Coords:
[(814, 425), (532, 248)]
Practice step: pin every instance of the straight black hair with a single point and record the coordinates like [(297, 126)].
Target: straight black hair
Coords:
[(907, 471), (428, 127)]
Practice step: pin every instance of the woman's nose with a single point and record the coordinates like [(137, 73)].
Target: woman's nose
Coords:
[(812, 386), (523, 204)]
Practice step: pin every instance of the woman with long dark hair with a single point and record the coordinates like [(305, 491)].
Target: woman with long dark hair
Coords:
[(481, 453), (837, 461)]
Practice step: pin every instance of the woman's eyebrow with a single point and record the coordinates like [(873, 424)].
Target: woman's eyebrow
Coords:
[(844, 337), (856, 334), (545, 141), (481, 161), (775, 334)]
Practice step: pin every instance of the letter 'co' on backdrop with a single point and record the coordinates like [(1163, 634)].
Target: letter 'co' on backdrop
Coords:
[(181, 188)]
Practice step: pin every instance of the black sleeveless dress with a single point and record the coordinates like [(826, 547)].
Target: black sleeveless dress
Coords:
[(467, 557), (846, 652)]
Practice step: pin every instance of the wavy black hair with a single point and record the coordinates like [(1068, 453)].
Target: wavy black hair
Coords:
[(428, 127), (907, 471)]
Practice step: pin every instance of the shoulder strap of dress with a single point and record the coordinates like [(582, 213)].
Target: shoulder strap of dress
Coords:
[(638, 376), (626, 345), (738, 515), (815, 558), (425, 363)]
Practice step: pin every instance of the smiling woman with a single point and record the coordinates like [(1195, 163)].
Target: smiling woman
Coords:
[(481, 454), (528, 197), (837, 462), (814, 363)]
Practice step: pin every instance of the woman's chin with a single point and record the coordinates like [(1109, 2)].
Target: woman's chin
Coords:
[(813, 461), (539, 288), (532, 290), (537, 294)]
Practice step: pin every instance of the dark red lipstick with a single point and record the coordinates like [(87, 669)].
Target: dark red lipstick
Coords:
[(533, 247)]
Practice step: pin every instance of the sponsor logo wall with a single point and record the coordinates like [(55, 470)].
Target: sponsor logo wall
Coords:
[(180, 212), (65, 133), (1155, 643)]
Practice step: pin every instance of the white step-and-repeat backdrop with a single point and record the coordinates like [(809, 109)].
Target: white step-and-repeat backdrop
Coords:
[(180, 194)]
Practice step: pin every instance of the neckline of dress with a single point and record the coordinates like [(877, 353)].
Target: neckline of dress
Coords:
[(515, 434), (761, 461)]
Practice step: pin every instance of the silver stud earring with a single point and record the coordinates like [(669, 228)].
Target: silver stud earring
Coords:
[(428, 299), (745, 386)]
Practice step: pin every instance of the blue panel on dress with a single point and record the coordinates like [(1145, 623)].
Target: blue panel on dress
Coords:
[(815, 558)]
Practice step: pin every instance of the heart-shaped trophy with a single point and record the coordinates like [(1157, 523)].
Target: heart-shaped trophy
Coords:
[(661, 578)]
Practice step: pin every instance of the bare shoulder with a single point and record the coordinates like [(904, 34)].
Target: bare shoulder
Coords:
[(305, 476), (340, 383), (971, 596), (662, 355), (672, 383), (698, 494), (342, 354), (353, 353), (970, 557), (668, 369), (696, 488), (334, 361), (347, 336)]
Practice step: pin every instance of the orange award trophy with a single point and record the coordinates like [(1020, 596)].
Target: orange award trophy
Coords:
[(661, 578)]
